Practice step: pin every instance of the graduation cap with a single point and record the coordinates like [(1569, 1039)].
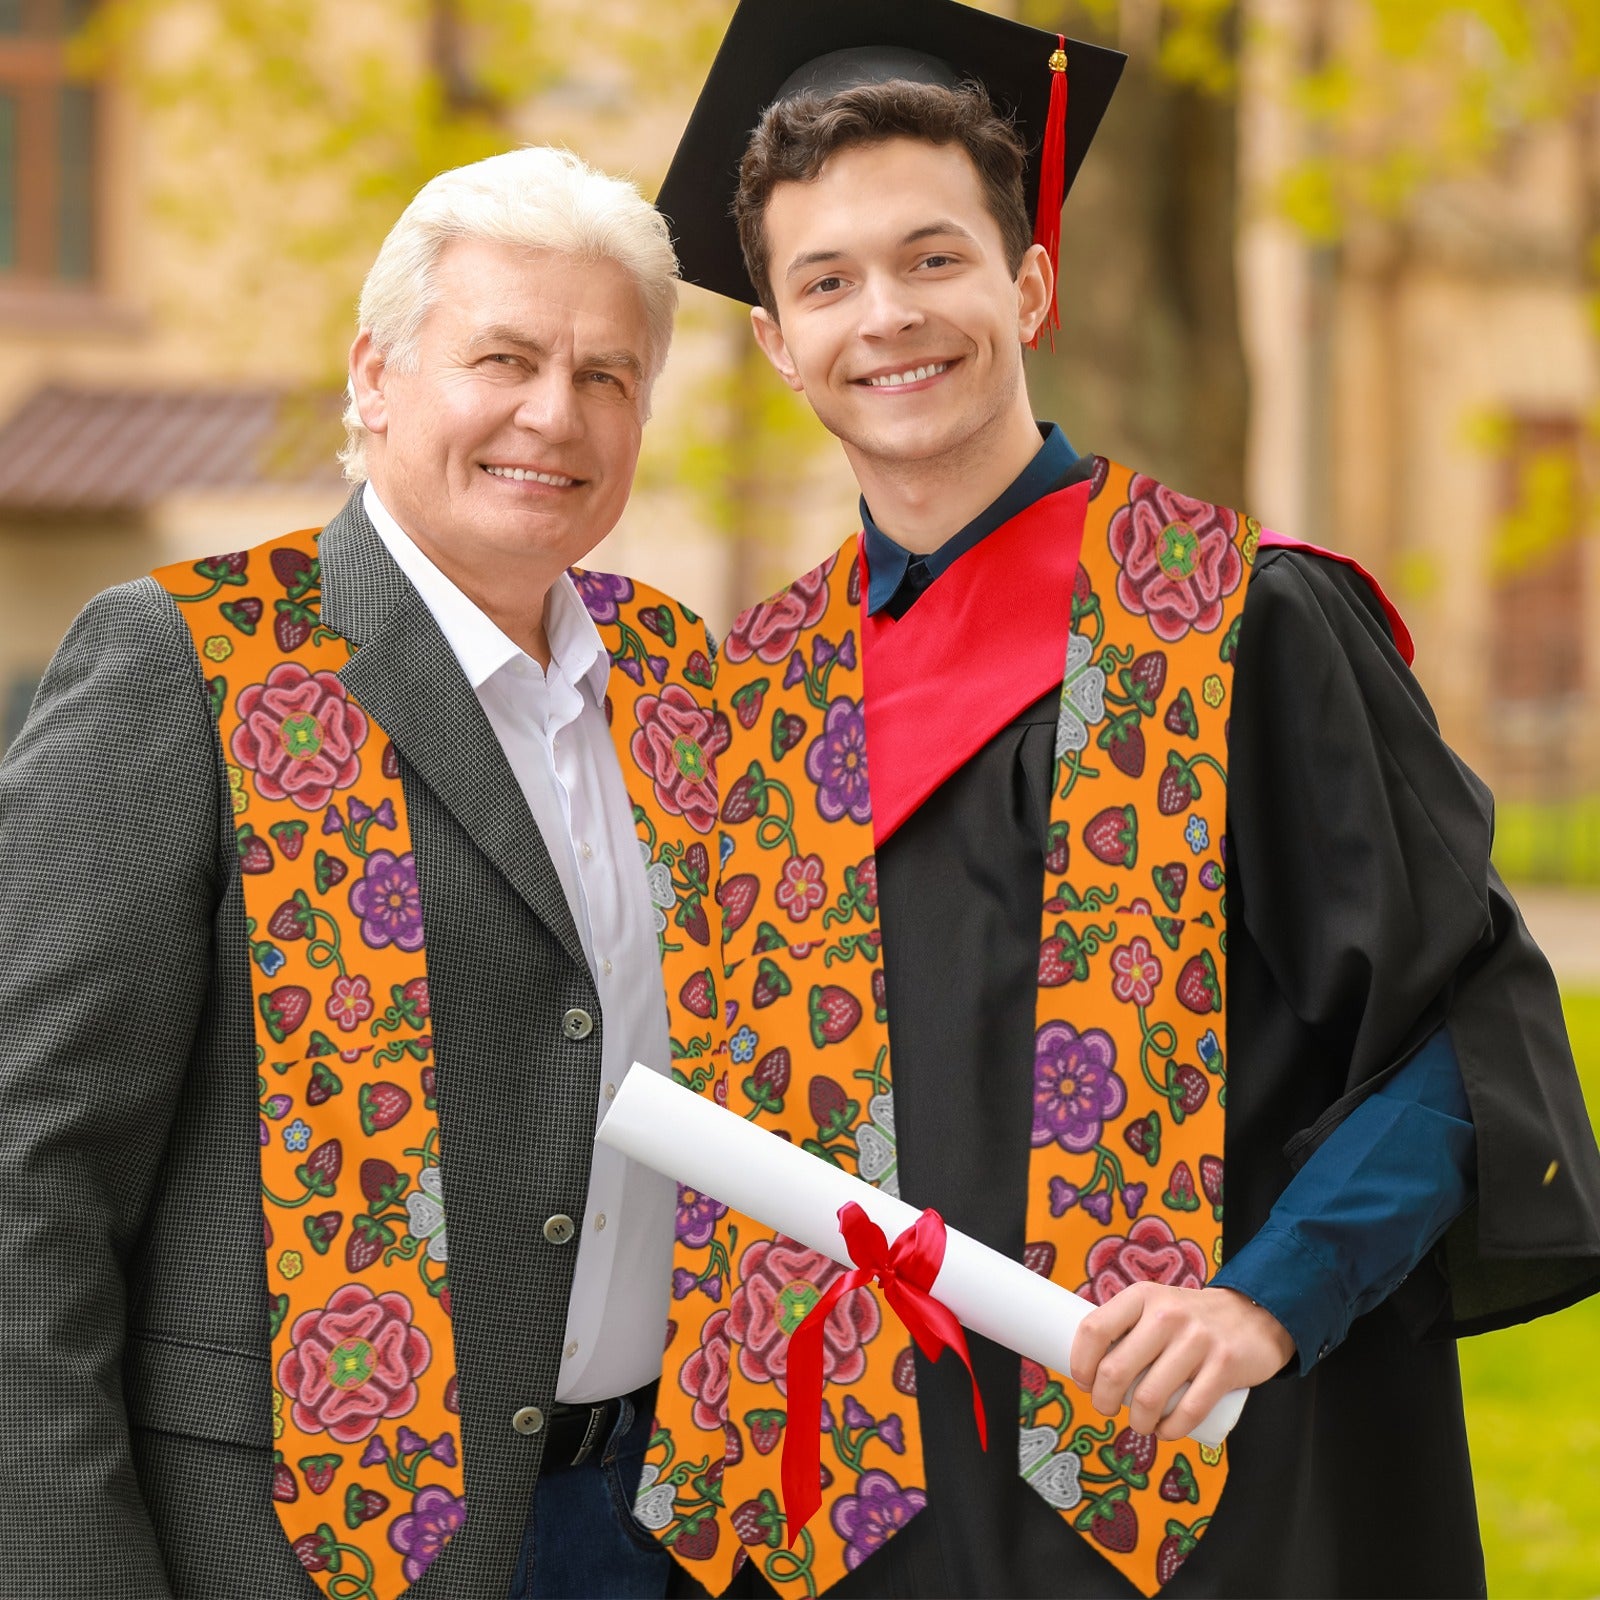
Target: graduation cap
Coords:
[(775, 49)]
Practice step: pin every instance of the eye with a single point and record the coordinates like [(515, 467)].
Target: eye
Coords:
[(502, 358), (826, 285), (938, 261), (605, 377)]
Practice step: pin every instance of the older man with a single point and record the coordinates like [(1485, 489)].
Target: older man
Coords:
[(337, 883)]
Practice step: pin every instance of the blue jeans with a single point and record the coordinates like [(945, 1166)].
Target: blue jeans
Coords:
[(581, 1541)]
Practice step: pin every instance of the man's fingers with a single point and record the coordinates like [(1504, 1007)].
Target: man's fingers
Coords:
[(1100, 1330), (1206, 1388), (1180, 1358)]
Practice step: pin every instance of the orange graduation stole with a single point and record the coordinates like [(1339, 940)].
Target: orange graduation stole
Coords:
[(367, 1475), (1129, 597)]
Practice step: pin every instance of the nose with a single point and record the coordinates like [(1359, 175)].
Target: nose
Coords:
[(548, 405), (888, 308)]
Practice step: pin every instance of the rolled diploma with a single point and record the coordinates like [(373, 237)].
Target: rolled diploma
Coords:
[(672, 1130)]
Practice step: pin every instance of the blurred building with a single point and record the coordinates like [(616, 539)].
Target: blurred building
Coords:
[(1425, 396), (1422, 394)]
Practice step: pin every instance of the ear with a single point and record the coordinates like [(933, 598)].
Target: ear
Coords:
[(367, 373), (774, 347), (1036, 281)]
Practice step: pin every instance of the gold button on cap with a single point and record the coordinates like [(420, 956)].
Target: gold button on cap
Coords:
[(559, 1229), (577, 1024), (530, 1419)]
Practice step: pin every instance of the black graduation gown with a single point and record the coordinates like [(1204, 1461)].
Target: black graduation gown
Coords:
[(1363, 912)]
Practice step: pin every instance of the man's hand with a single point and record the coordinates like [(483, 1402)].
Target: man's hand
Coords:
[(1212, 1339)]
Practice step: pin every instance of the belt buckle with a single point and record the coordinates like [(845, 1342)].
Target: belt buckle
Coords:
[(590, 1435)]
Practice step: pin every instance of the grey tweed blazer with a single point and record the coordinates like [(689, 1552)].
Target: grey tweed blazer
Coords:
[(136, 1437)]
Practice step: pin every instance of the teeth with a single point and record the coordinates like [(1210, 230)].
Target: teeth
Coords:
[(518, 475), (914, 375)]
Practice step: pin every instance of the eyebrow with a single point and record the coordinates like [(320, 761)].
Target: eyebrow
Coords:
[(503, 333), (941, 228)]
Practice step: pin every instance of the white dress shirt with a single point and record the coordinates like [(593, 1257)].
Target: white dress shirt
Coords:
[(552, 726)]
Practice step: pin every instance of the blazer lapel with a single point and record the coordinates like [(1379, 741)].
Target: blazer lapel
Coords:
[(406, 677)]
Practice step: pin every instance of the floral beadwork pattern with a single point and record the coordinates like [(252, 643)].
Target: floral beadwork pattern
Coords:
[(354, 1194), (1129, 1068), (358, 1300)]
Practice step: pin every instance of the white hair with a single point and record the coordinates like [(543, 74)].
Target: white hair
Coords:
[(537, 197)]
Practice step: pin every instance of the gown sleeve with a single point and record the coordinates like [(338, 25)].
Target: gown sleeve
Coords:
[(1359, 861)]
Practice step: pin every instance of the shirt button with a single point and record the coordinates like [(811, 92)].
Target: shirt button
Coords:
[(605, 967), (559, 1229), (600, 1222), (588, 850), (611, 1091), (577, 1023), (571, 1350), (530, 1419)]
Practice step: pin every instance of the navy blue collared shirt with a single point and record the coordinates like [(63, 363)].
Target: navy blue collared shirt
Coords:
[(896, 577), (1379, 1192)]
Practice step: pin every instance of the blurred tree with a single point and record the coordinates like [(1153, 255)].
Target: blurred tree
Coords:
[(293, 133)]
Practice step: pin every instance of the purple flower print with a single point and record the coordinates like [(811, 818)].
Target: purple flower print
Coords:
[(698, 1215), (408, 1441), (856, 1415), (1074, 1087), (892, 1431), (375, 1452), (847, 652), (630, 666), (1099, 1207), (1133, 1197), (683, 1282), (435, 1516), (822, 651), (444, 1449), (1063, 1196), (795, 672), (878, 1508), (837, 763), (387, 901), (602, 593)]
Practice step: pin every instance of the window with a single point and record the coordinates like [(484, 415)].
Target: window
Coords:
[(48, 126)]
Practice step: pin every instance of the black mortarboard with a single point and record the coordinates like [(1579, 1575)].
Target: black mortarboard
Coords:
[(777, 48)]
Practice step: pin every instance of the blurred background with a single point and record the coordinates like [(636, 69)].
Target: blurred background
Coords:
[(1336, 262)]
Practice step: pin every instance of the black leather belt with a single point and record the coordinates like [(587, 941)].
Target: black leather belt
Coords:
[(574, 1433)]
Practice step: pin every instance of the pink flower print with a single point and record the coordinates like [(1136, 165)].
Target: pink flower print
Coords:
[(705, 1374), (299, 733), (353, 1362), (801, 890), (677, 743), (1150, 1253), (780, 1282), (771, 629), (1178, 559), (350, 1004), (1135, 972)]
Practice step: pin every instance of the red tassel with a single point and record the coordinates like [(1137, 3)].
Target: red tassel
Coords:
[(1052, 182)]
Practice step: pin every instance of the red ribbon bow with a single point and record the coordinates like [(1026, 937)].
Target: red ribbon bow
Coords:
[(906, 1270)]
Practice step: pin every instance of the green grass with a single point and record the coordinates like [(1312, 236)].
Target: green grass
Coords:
[(1533, 1417), (1548, 841)]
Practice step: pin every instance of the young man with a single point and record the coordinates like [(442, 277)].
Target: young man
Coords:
[(335, 875), (1039, 911)]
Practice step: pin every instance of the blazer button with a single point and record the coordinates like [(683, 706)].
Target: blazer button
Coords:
[(530, 1419), (577, 1024), (559, 1229)]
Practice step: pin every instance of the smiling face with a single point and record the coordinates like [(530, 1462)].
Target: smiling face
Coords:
[(509, 448), (898, 315)]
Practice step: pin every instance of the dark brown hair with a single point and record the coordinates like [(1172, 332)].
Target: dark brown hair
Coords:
[(796, 137)]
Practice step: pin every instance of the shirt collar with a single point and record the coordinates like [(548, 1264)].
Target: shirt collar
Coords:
[(888, 562), (476, 639)]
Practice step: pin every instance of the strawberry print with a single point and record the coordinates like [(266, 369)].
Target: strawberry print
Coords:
[(834, 1014), (1112, 836), (697, 996), (1198, 988)]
